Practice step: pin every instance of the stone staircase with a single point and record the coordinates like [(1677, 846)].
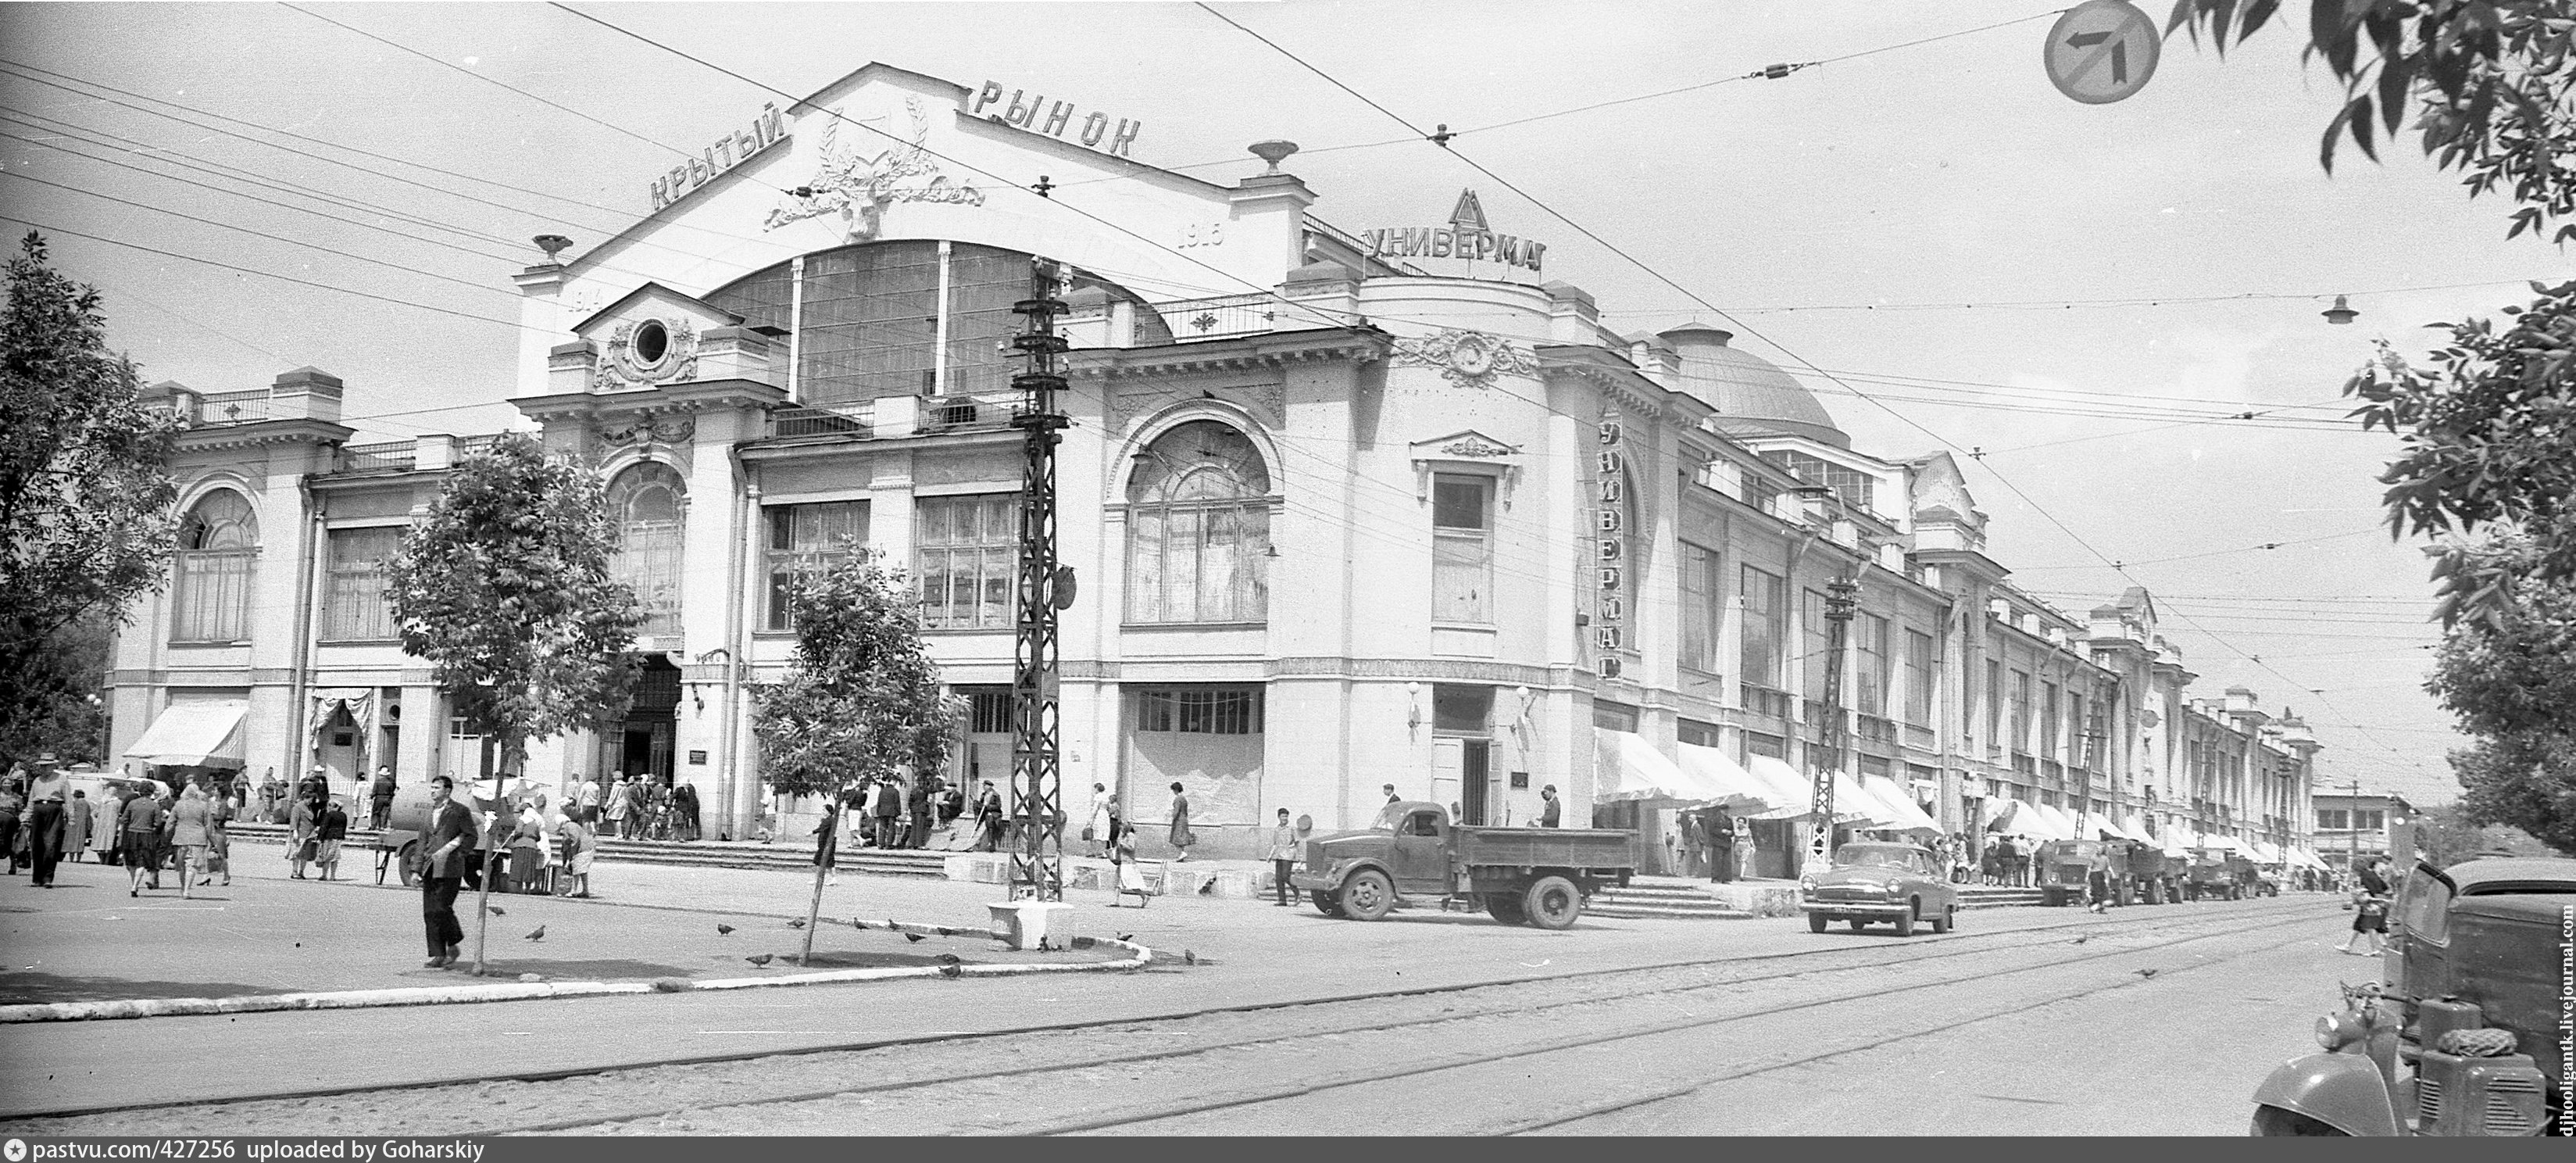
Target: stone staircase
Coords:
[(1663, 900), (930, 865)]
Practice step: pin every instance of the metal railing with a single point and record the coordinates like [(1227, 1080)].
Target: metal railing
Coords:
[(236, 407), (856, 419), (395, 455), (1222, 317)]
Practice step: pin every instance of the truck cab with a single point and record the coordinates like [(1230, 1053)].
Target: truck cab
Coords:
[(2462, 1036)]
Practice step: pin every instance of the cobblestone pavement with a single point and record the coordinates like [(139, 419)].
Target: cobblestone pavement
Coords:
[(1742, 995)]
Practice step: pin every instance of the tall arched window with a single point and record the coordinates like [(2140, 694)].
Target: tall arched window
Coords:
[(217, 544), (646, 504), (1198, 528)]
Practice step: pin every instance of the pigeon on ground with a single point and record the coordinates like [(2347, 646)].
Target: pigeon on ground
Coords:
[(1189, 958), (795, 922), (1126, 936), (856, 923), (539, 935), (724, 930), (916, 938), (761, 959), (496, 910), (951, 965), (2081, 938), (2146, 973)]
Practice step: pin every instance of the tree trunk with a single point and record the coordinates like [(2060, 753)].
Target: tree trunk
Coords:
[(496, 837), (822, 869)]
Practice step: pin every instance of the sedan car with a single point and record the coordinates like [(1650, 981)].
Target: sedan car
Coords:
[(1880, 881)]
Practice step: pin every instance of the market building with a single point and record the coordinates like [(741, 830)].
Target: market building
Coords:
[(1347, 509)]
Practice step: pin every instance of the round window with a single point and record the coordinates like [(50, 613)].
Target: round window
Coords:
[(652, 342)]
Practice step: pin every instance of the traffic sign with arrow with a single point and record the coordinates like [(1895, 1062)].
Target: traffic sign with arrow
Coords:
[(2102, 51)]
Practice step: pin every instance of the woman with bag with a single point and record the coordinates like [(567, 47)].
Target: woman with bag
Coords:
[(1131, 873), (1182, 837), (188, 824), (1095, 831), (302, 845), (219, 841)]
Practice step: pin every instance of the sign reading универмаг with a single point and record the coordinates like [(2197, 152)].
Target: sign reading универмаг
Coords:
[(1466, 237)]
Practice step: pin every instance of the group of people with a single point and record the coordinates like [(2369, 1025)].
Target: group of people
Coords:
[(638, 806), (1709, 840)]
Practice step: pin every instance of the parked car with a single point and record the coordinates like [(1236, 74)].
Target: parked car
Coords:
[(1880, 881), (2461, 1038), (2219, 874), (1537, 876)]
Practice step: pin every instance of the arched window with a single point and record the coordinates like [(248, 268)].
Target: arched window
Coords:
[(645, 502), (217, 544), (1198, 528)]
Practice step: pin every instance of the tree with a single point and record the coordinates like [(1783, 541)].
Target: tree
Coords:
[(504, 589), (2490, 86), (2448, 835), (86, 501), (54, 694), (861, 699)]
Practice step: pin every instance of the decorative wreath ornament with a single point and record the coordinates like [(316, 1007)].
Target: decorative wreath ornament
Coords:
[(645, 352), (1469, 359)]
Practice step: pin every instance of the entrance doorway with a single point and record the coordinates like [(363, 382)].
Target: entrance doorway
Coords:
[(643, 743), (1472, 774)]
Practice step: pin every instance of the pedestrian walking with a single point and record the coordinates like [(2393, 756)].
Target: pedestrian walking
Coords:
[(2097, 883), (142, 824), (1551, 810), (443, 850), (924, 803), (1181, 837), (1283, 858), (1130, 872), (638, 804), (219, 839), (1117, 823), (13, 801), (380, 798), (888, 808), (988, 819), (616, 807), (188, 824), (587, 807), (684, 809), (329, 833), (1721, 846), (44, 828), (1095, 826), (271, 793), (2370, 910), (303, 844), (76, 826)]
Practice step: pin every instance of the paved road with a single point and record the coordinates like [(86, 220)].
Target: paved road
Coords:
[(2008, 1026)]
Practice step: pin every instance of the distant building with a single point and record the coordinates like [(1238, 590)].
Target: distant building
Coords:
[(2366, 823), (1347, 510)]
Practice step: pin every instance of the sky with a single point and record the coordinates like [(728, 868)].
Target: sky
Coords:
[(2072, 298)]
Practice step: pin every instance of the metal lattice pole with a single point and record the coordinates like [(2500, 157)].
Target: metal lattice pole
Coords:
[(1842, 597), (1037, 862)]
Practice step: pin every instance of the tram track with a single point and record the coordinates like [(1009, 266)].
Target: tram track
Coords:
[(1697, 975)]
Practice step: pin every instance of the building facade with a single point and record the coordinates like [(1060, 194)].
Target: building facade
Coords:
[(1346, 510), (2355, 825)]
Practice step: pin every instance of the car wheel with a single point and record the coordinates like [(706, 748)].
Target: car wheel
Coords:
[(1368, 895), (1949, 917), (1816, 922), (1329, 904), (1859, 923), (2271, 1121), (1905, 920), (1552, 903), (1506, 907)]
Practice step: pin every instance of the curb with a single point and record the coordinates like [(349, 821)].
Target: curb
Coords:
[(1139, 957)]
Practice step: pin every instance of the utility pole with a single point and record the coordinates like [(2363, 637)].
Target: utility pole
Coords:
[(1842, 597), (2352, 845), (1037, 863)]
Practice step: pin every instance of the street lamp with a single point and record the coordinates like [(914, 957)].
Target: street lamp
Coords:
[(2340, 313)]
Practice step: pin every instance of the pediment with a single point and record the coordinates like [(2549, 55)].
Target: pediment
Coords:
[(1465, 445), (654, 301)]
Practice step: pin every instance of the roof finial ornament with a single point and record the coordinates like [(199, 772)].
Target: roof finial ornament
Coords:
[(1273, 152), (552, 244)]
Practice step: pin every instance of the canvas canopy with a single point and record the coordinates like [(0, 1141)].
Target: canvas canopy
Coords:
[(1850, 806), (1645, 774), (1743, 790), (193, 735)]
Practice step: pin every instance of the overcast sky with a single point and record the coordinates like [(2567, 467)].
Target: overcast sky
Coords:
[(1980, 263)]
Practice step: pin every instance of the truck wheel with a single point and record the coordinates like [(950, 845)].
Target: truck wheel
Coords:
[(2272, 1120), (1816, 922), (1905, 920), (1329, 904), (1552, 903), (2155, 892), (2051, 897), (1949, 917), (1506, 907), (1368, 895), (402, 861)]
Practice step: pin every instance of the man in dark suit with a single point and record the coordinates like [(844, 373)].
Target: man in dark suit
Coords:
[(446, 845), (1553, 813)]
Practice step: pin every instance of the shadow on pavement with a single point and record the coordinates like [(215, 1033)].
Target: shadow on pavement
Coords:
[(45, 988), (602, 969)]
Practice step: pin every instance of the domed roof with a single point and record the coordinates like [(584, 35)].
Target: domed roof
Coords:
[(1752, 397)]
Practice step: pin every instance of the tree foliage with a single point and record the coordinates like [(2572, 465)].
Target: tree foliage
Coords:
[(862, 698), (2524, 781), (85, 491), (504, 587), (2448, 835), (53, 695)]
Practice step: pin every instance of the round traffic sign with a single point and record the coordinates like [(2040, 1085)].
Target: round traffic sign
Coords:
[(2102, 51)]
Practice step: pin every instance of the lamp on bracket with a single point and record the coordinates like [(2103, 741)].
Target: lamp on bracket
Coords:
[(1412, 708)]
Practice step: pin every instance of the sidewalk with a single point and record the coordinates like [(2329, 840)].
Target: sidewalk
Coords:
[(268, 934)]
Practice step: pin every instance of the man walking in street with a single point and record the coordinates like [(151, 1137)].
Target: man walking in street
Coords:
[(889, 808), (450, 829), (988, 819), (1721, 846), (1283, 858), (380, 798), (46, 824), (1554, 811)]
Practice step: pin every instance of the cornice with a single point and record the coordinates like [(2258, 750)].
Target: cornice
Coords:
[(1251, 352), (789, 447), (259, 432), (694, 396)]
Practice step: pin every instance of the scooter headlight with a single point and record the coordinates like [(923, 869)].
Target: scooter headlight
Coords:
[(2336, 1031)]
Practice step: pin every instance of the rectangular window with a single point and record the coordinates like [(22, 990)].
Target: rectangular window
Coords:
[(1198, 562), (1611, 716), (1872, 664), (1460, 709), (1462, 550), (2079, 751), (1206, 711), (966, 559), (1772, 746), (988, 712), (1994, 702), (1853, 486), (803, 537), (2370, 821), (1701, 593), (1817, 644), (354, 608), (2049, 723), (1765, 616), (1918, 678), (213, 595), (2021, 712), (1694, 733), (2333, 820)]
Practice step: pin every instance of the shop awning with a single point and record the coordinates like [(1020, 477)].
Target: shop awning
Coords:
[(1743, 791), (1850, 806), (1894, 807), (2045, 822), (2266, 853), (193, 735), (1643, 773)]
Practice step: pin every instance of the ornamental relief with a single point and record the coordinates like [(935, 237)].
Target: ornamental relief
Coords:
[(648, 431), (674, 351), (1469, 359)]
